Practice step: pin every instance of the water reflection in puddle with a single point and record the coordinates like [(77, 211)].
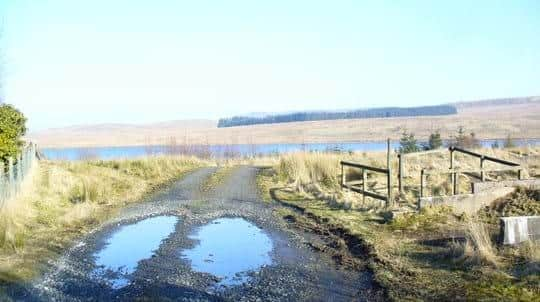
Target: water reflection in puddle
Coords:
[(130, 244), (229, 248)]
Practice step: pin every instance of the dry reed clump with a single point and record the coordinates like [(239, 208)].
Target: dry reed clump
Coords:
[(477, 248), (14, 215), (303, 169)]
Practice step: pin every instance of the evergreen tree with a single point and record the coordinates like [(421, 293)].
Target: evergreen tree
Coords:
[(465, 141), (435, 141), (509, 142), (408, 143)]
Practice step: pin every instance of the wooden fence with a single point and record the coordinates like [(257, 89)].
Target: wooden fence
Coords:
[(360, 186), (14, 172), (481, 171)]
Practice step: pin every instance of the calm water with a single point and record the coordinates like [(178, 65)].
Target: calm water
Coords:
[(130, 244), (222, 151), (229, 248)]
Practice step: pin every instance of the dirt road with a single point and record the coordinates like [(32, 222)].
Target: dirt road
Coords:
[(291, 269)]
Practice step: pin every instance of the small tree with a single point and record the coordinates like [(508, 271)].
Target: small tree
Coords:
[(435, 141), (463, 140), (509, 142), (12, 129), (408, 143)]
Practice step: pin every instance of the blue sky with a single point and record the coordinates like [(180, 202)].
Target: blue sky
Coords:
[(78, 62)]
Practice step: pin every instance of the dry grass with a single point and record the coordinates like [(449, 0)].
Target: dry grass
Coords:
[(478, 248), (415, 255), (320, 173), (67, 199), (519, 121), (530, 251)]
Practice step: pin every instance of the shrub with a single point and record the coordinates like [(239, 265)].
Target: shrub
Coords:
[(462, 140), (12, 128), (509, 142), (408, 143), (435, 141)]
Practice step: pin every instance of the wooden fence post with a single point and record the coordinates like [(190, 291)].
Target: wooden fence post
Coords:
[(343, 179), (20, 170), (364, 180), (400, 172), (455, 186), (421, 183), (482, 175), (389, 175), (452, 175), (11, 175)]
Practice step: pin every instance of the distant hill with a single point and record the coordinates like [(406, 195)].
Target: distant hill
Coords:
[(497, 102), (331, 115)]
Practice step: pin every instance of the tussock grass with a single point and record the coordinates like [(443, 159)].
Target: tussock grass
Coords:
[(303, 169), (432, 254), (530, 251), (427, 218), (478, 248), (67, 199), (319, 172)]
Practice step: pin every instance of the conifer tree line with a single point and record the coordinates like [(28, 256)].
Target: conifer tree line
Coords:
[(326, 115)]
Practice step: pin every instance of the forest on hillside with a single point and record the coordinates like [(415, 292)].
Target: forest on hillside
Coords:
[(328, 115)]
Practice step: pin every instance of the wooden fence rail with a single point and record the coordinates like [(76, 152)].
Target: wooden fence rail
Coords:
[(482, 171), (359, 186)]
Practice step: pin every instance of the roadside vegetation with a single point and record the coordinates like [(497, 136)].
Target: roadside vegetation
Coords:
[(431, 254), (62, 201), (12, 128)]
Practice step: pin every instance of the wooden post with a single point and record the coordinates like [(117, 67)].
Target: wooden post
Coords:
[(11, 175), (389, 175), (456, 185), (364, 180), (343, 179), (452, 175), (400, 173), (20, 170), (422, 183), (482, 175)]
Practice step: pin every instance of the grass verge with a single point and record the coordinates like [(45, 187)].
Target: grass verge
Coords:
[(66, 200), (428, 255)]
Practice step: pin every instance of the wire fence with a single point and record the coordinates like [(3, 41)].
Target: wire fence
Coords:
[(13, 173)]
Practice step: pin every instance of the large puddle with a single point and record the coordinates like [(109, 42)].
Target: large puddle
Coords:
[(130, 244), (229, 248)]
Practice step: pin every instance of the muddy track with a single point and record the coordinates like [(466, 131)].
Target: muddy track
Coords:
[(307, 264)]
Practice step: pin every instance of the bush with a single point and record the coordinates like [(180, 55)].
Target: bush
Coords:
[(408, 143), (509, 142), (435, 141), (12, 128), (463, 140)]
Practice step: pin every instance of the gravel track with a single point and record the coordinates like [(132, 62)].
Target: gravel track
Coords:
[(298, 273)]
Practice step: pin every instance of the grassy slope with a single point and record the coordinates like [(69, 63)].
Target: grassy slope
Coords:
[(519, 120), (412, 257), (68, 199)]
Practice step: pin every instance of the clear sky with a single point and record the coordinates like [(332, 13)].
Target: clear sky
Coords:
[(79, 62)]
